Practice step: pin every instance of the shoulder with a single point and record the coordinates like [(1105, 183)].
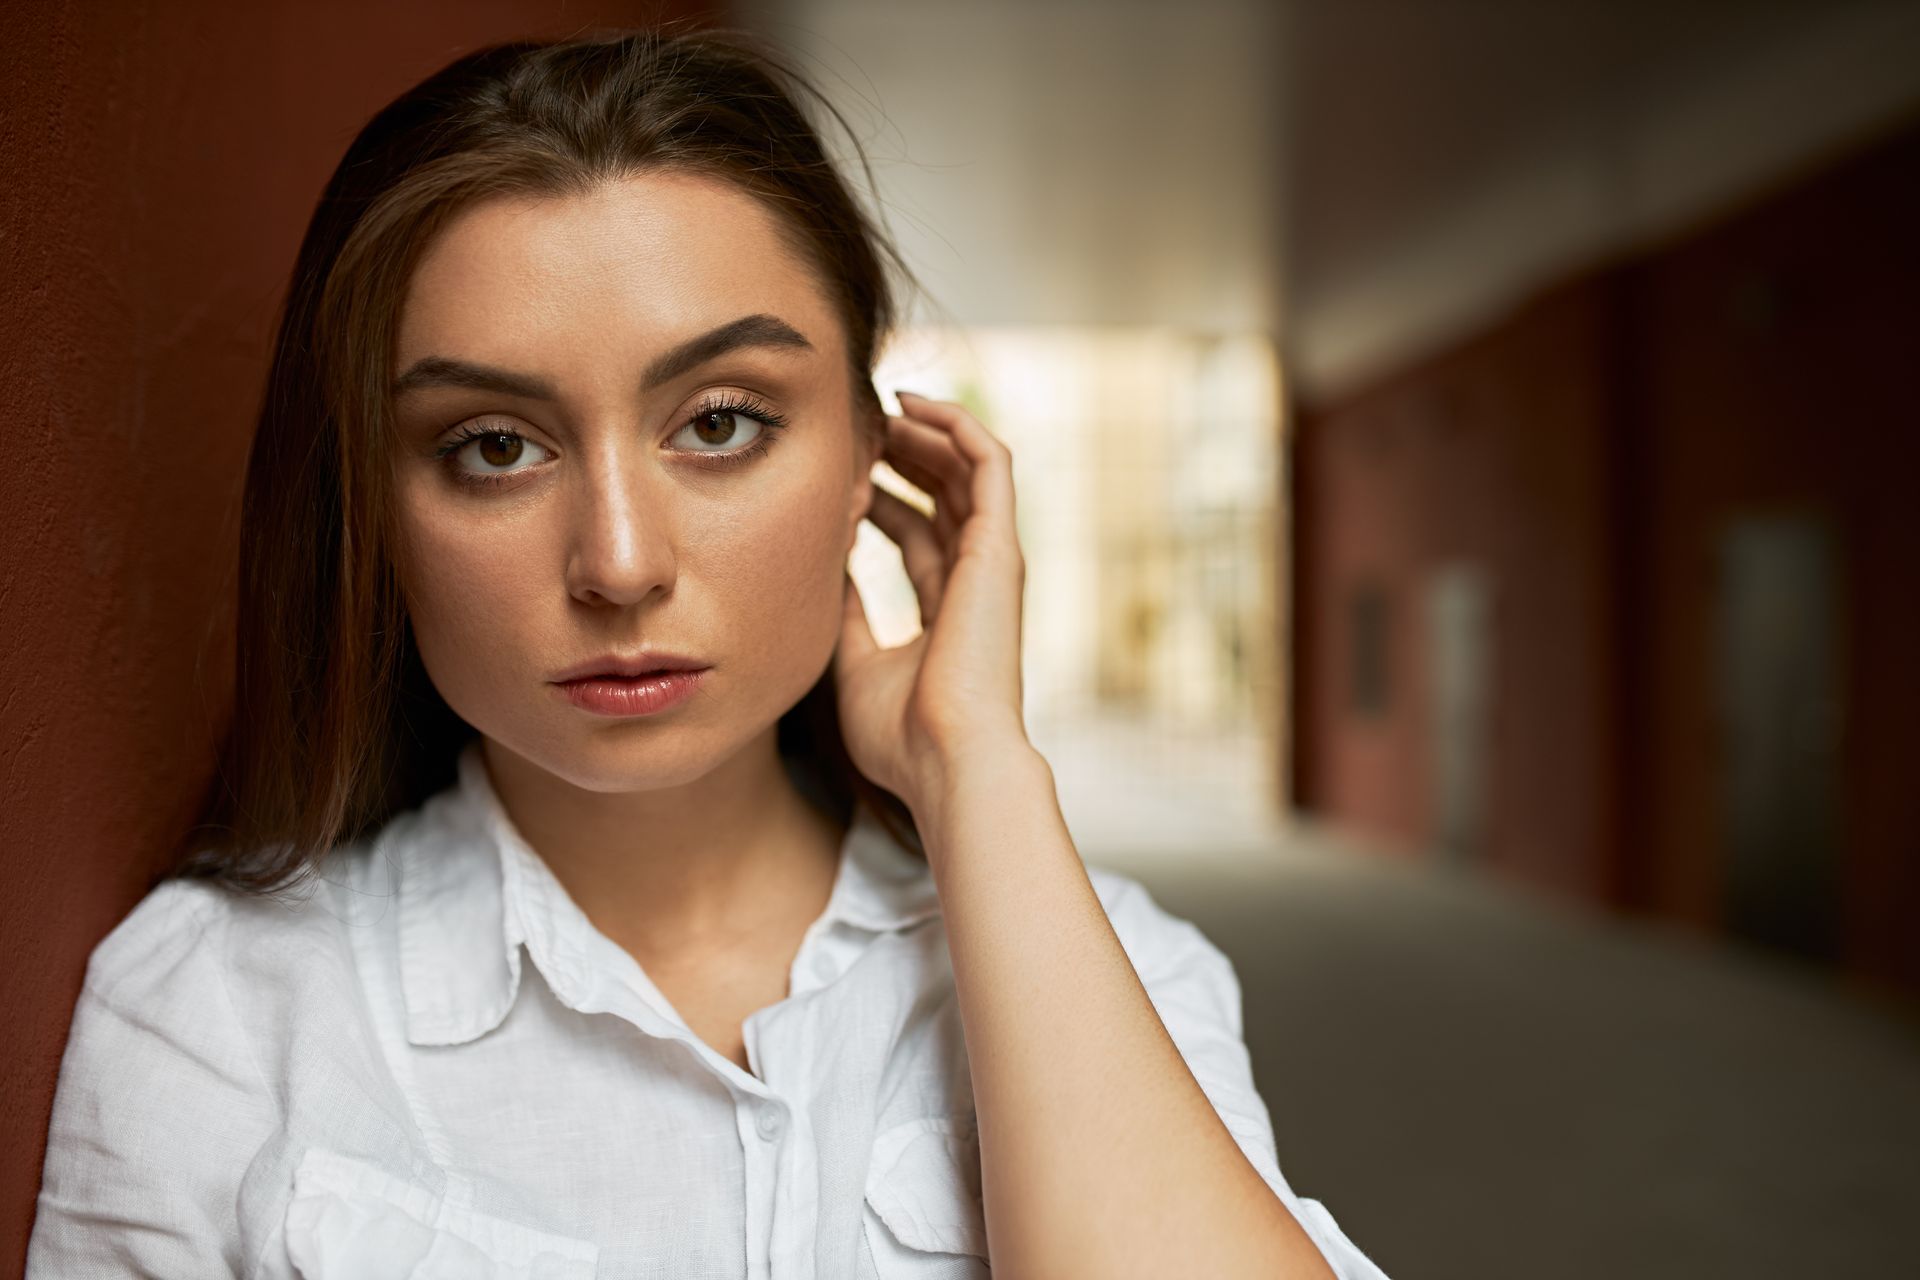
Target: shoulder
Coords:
[(207, 1017), (165, 950), (157, 994), (187, 931), (165, 1134), (275, 986), (171, 922)]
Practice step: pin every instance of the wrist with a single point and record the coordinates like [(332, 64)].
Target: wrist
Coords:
[(981, 777)]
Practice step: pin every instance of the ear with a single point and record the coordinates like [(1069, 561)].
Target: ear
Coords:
[(869, 442)]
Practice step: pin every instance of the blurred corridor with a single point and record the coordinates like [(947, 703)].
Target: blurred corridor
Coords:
[(1482, 1084), (1487, 421)]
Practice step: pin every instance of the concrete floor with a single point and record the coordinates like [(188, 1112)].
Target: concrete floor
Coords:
[(1481, 1083)]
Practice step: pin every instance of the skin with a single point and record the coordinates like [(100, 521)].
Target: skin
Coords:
[(1100, 1155), (614, 529)]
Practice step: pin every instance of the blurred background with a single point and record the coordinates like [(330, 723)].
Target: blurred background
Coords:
[(1467, 457)]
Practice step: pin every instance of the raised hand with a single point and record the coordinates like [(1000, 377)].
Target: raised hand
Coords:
[(912, 714)]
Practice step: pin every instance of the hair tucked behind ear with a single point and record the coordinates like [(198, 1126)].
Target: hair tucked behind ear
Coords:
[(335, 725)]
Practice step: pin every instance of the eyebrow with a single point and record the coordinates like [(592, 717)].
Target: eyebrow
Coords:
[(760, 330)]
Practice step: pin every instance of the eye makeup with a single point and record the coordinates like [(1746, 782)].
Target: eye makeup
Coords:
[(478, 431), (771, 421)]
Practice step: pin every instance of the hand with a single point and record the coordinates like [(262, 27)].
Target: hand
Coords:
[(912, 714)]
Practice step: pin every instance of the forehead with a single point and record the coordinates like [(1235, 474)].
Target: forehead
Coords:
[(645, 259)]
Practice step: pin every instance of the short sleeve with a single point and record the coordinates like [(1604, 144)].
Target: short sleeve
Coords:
[(159, 1106), (1194, 988)]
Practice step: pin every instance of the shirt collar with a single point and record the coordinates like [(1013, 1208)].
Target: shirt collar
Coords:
[(472, 892)]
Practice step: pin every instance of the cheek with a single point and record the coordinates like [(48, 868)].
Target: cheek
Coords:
[(463, 579), (782, 559)]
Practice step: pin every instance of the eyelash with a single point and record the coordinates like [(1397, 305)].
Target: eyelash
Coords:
[(770, 419)]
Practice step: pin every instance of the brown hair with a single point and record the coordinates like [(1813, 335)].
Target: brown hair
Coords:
[(336, 727)]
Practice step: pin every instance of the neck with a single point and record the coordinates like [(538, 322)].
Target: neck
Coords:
[(679, 870)]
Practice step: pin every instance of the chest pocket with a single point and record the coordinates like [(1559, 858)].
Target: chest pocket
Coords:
[(926, 1219), (351, 1220)]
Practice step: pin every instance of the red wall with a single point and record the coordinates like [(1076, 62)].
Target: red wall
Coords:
[(1588, 447), (1495, 451), (160, 161), (1773, 363)]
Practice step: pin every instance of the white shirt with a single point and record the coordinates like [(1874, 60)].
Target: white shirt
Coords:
[(436, 1066)]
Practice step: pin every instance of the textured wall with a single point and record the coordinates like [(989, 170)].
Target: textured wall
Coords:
[(160, 161)]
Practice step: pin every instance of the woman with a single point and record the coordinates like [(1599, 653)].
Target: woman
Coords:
[(592, 895)]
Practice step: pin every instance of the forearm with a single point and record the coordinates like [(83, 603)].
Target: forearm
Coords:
[(1100, 1154)]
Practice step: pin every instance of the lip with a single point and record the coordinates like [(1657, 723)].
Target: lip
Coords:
[(626, 696), (614, 666)]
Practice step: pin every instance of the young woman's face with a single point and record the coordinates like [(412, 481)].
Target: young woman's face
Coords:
[(589, 465)]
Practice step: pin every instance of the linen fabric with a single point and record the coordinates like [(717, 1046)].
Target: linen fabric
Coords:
[(434, 1065)]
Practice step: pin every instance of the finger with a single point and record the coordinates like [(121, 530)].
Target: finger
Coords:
[(925, 562), (942, 514), (935, 465), (991, 482)]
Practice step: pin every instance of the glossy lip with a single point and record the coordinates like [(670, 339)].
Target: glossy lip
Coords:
[(636, 696), (614, 666)]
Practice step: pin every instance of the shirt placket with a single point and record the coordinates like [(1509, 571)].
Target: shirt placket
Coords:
[(782, 1177), (782, 1164), (592, 974)]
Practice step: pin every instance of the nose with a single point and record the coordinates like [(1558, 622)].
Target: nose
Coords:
[(620, 546)]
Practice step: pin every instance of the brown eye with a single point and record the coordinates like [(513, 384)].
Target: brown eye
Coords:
[(717, 427), (490, 455), (721, 429), (500, 450)]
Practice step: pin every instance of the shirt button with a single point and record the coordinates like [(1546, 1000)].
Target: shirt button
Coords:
[(768, 1123)]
